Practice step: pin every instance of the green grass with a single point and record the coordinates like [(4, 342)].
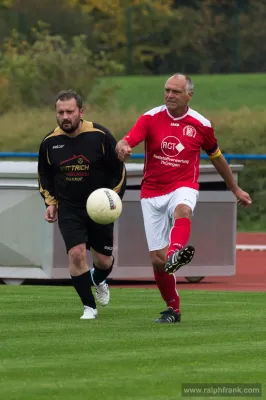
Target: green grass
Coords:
[(234, 103), (35, 123), (47, 352), (212, 92)]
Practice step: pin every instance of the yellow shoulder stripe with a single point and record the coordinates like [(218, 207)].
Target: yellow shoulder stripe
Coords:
[(87, 126), (56, 132)]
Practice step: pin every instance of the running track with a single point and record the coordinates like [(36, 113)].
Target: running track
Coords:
[(250, 270)]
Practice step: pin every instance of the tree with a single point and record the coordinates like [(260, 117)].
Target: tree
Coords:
[(129, 28), (34, 72), (252, 38), (6, 3), (162, 36), (63, 20)]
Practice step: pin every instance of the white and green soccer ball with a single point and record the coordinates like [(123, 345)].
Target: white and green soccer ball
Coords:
[(104, 206)]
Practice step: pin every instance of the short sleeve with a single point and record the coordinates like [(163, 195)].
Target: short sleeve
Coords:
[(138, 132), (210, 145)]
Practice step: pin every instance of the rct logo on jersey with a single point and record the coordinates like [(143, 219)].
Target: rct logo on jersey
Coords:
[(171, 146), (189, 131)]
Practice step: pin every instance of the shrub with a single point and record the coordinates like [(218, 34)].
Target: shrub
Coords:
[(34, 72)]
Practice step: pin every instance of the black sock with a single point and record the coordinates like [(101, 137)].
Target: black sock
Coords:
[(99, 275), (82, 284)]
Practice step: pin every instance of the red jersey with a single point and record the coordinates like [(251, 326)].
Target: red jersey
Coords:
[(172, 149)]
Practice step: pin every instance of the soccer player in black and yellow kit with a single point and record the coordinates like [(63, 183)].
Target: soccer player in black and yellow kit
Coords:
[(75, 159)]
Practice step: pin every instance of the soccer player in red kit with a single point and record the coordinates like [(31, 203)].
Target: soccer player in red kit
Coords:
[(174, 135)]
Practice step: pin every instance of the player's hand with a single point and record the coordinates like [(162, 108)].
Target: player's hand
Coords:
[(243, 198), (51, 213), (124, 151)]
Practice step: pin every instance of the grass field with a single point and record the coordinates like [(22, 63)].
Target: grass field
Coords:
[(47, 352), (212, 92), (235, 104)]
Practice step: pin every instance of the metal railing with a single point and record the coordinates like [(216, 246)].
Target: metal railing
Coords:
[(138, 156)]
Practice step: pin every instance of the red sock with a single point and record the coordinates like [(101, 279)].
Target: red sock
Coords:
[(167, 285), (179, 235)]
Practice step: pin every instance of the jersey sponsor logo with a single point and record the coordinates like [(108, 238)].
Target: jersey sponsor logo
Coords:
[(189, 131), (75, 168), (59, 146), (108, 248), (174, 124), (171, 146), (172, 162)]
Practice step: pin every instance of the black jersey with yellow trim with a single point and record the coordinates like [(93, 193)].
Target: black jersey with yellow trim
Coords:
[(71, 168)]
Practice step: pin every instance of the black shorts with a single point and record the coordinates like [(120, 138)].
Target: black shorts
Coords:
[(76, 227)]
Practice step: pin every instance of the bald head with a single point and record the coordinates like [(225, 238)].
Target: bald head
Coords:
[(182, 80), (178, 91)]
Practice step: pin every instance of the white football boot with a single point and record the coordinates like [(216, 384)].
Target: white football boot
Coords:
[(89, 313), (102, 293)]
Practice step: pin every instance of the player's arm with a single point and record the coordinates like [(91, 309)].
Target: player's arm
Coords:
[(45, 177), (135, 136), (115, 169), (219, 162)]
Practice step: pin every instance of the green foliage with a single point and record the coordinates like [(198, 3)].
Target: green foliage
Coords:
[(244, 132), (6, 3), (154, 36), (35, 72), (19, 137), (253, 180)]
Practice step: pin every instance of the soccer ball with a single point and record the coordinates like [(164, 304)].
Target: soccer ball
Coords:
[(104, 206)]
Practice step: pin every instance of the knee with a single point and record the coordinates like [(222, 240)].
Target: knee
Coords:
[(182, 211), (158, 261), (103, 262), (77, 256)]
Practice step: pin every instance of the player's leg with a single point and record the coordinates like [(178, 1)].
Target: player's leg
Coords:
[(156, 224), (74, 233), (101, 246), (167, 286), (181, 206)]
